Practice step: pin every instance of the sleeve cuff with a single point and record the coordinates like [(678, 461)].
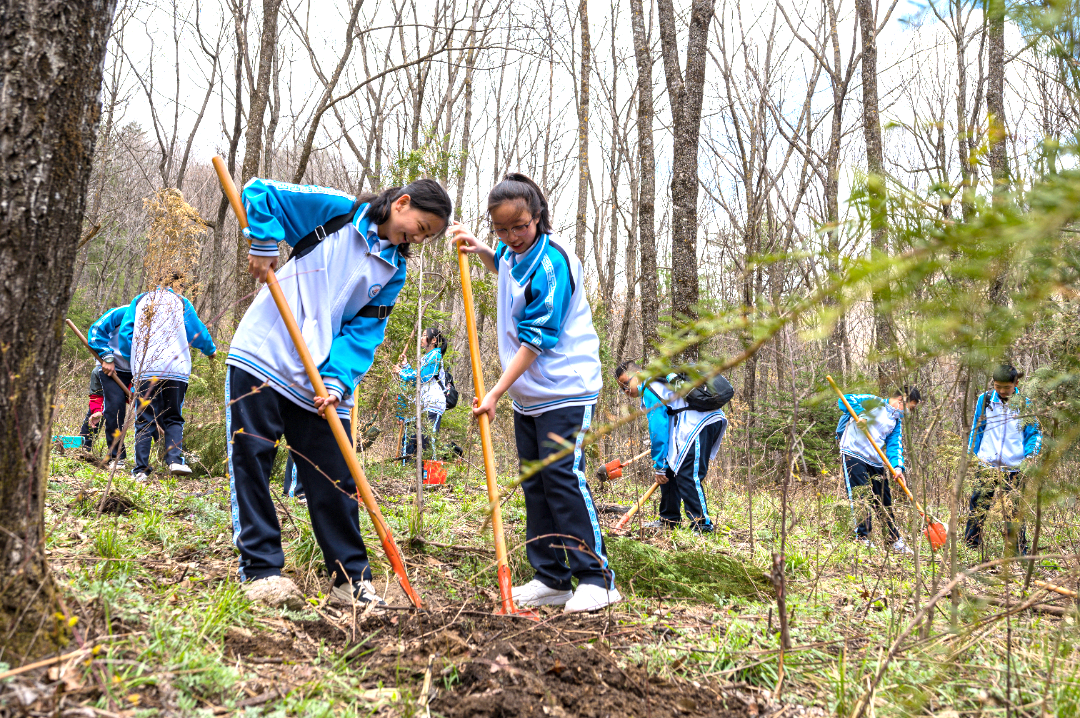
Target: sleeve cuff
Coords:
[(537, 350), (335, 387), (263, 251), (107, 358)]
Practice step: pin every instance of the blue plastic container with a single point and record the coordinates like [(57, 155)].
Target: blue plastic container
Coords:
[(69, 442)]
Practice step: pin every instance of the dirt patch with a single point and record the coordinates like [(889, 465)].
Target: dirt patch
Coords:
[(486, 665), (240, 643)]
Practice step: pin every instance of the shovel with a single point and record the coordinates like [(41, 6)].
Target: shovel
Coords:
[(363, 489), (502, 565), (613, 469), (935, 531)]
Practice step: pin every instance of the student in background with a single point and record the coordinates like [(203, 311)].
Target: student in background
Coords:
[(1005, 439), (551, 367), (868, 487), (157, 331), (92, 423), (104, 338), (683, 443), (432, 395)]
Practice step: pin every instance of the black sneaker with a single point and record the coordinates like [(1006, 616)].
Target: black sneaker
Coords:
[(362, 592)]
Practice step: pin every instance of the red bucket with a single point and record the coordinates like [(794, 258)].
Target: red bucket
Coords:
[(434, 473)]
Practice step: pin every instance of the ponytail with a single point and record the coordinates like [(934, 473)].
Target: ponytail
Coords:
[(435, 335), (518, 187)]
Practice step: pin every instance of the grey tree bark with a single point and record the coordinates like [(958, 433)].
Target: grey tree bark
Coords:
[(583, 131), (52, 56), (253, 138), (646, 216), (997, 156), (884, 334), (685, 93)]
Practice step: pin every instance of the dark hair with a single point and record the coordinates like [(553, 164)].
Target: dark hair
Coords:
[(434, 333), (518, 187), (624, 367), (909, 393), (1007, 374), (426, 195)]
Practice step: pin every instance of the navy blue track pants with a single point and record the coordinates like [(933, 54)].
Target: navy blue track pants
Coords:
[(256, 419), (559, 509)]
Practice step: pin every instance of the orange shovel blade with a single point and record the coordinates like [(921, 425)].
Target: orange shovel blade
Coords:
[(936, 534)]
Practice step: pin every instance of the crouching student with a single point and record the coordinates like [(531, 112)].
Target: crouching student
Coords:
[(157, 332), (104, 338), (1005, 437), (346, 270), (683, 443), (551, 368), (868, 487), (92, 423)]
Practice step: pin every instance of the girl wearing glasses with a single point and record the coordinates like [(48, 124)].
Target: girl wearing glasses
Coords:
[(551, 369)]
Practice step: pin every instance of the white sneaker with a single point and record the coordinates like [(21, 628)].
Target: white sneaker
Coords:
[(901, 547), (179, 469), (363, 593), (537, 593), (116, 465), (588, 597), (275, 591), (140, 477)]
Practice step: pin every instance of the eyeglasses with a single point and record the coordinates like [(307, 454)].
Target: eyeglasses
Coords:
[(517, 231)]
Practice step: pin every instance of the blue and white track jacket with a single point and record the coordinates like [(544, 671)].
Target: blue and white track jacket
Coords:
[(158, 329), (885, 423), (1003, 435), (326, 289), (104, 337), (659, 427), (683, 427), (432, 397), (542, 305)]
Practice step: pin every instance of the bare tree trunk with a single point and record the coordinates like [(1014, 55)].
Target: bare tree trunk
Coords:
[(884, 337), (466, 128), (583, 131), (998, 156), (253, 138), (685, 93), (646, 221), (838, 339), (51, 63)]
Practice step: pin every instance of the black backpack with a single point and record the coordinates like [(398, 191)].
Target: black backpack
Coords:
[(446, 383), (710, 396)]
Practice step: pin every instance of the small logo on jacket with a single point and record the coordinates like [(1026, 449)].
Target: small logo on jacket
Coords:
[(374, 290)]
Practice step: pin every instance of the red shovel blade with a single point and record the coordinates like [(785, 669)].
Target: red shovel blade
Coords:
[(936, 534)]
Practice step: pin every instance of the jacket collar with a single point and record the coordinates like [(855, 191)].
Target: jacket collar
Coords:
[(368, 233), (523, 265)]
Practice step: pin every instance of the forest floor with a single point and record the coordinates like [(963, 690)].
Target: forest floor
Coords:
[(159, 625)]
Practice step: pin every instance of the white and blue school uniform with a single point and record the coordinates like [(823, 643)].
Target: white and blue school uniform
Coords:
[(860, 462), (104, 338), (341, 290), (683, 442), (542, 306), (157, 332), (432, 399), (1003, 434)]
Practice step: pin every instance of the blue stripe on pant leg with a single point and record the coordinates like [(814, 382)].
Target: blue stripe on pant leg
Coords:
[(232, 472), (697, 481), (583, 487)]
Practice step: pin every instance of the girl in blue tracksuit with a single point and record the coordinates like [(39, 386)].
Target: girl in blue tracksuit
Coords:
[(344, 275), (868, 487), (104, 338), (1004, 435), (683, 442), (432, 396), (551, 369)]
